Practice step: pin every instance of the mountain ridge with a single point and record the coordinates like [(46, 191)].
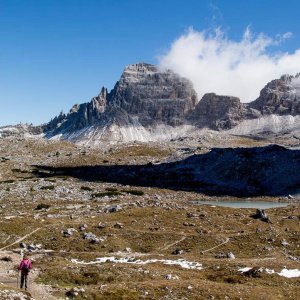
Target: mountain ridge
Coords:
[(152, 104)]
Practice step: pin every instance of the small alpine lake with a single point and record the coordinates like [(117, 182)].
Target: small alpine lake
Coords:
[(243, 204)]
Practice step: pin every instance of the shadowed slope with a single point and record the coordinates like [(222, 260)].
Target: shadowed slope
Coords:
[(271, 170)]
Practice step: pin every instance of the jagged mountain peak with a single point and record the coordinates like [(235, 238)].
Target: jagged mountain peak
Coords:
[(280, 96), (144, 96)]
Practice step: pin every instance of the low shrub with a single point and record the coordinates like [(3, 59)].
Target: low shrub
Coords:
[(6, 258), (111, 189), (86, 188), (107, 193), (8, 181), (48, 187), (42, 206), (134, 192)]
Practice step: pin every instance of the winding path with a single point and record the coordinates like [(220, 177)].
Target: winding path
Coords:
[(219, 245), (20, 239), (174, 243), (8, 275)]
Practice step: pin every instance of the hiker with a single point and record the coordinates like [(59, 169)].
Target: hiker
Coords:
[(25, 267)]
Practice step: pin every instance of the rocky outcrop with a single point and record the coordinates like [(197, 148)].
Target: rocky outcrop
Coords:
[(280, 96), (221, 112)]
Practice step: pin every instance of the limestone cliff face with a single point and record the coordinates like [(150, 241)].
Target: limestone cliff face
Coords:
[(220, 112), (144, 95), (280, 96), (153, 95)]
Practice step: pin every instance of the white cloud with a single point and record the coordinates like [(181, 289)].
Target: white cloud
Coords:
[(217, 64)]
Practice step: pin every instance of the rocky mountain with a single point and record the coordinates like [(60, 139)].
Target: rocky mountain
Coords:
[(20, 130), (280, 96), (143, 92), (145, 104), (149, 104), (279, 109), (221, 112)]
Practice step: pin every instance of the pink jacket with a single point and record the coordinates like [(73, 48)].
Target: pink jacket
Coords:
[(24, 262)]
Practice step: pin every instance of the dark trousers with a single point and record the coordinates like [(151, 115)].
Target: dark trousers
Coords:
[(24, 280)]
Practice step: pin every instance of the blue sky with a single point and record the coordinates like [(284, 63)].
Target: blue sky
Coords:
[(55, 53)]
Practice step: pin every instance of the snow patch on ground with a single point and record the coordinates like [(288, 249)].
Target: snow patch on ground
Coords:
[(132, 260), (292, 273), (243, 270)]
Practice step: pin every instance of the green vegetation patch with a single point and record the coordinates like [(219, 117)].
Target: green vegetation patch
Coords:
[(42, 206), (134, 192), (107, 193), (8, 181), (83, 276), (16, 170), (48, 187), (86, 188), (111, 189)]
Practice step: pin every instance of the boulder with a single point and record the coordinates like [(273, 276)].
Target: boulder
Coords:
[(261, 215)]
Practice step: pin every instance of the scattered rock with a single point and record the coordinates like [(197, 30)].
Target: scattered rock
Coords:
[(23, 245), (228, 255), (112, 209), (188, 224), (75, 292), (202, 214), (13, 295), (101, 225), (82, 227), (261, 215), (254, 272), (34, 247), (69, 232), (191, 215), (171, 277), (284, 243), (6, 258), (119, 225), (92, 238), (177, 252)]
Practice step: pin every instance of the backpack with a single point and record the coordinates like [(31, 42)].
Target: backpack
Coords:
[(25, 268)]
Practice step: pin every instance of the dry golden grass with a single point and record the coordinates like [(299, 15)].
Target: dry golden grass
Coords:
[(149, 231)]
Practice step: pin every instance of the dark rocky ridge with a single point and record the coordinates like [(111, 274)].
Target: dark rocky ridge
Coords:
[(271, 170)]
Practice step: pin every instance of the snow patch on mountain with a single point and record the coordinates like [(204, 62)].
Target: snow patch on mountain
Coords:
[(97, 135), (271, 123)]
